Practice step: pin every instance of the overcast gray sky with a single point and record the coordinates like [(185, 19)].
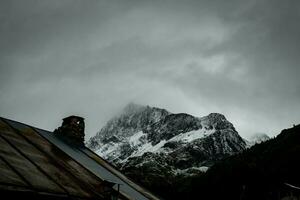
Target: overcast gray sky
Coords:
[(90, 58)]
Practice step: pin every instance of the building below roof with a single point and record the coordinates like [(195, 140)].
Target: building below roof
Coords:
[(38, 164)]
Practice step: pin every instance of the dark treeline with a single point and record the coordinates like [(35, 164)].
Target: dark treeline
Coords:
[(261, 172)]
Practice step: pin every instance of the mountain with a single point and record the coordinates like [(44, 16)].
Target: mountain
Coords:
[(154, 140), (256, 139), (179, 156), (268, 170)]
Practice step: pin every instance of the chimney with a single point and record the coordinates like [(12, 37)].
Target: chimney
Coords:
[(72, 131)]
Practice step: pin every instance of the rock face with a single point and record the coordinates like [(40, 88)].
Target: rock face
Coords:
[(153, 140)]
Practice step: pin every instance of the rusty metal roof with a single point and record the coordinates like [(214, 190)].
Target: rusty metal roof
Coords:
[(35, 160)]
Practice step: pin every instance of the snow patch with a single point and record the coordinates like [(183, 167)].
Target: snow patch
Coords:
[(148, 147), (108, 149), (191, 170), (139, 140), (192, 135), (136, 139)]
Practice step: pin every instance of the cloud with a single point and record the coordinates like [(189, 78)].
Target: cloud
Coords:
[(91, 58)]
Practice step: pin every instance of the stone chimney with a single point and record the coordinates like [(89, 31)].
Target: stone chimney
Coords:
[(72, 131)]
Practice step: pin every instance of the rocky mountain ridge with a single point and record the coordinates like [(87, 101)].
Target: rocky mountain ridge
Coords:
[(154, 138)]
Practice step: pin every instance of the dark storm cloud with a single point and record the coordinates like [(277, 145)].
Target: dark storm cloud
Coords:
[(265, 46), (92, 57)]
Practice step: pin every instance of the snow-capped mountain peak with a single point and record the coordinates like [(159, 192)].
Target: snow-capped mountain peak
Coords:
[(144, 131)]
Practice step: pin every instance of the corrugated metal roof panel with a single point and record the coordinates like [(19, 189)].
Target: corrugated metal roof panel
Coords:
[(28, 170), (8, 176), (31, 161), (53, 158), (47, 165)]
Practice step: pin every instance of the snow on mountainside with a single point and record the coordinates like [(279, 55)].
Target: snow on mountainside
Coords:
[(181, 143), (256, 139)]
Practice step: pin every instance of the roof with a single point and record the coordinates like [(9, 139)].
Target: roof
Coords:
[(292, 186), (33, 160)]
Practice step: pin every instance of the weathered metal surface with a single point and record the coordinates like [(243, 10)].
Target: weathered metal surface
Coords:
[(8, 176), (78, 172), (87, 181), (27, 169), (45, 167), (104, 173), (45, 164)]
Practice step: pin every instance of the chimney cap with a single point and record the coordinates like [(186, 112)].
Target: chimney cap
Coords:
[(73, 116)]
